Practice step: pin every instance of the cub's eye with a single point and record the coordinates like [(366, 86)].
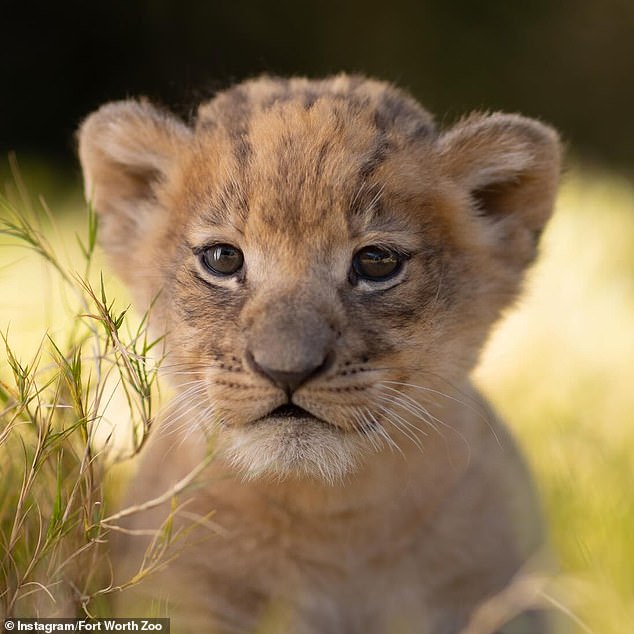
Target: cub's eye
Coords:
[(222, 259), (376, 263)]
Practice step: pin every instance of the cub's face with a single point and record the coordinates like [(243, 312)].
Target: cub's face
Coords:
[(326, 263)]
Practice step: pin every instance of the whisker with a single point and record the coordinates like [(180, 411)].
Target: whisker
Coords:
[(431, 420), (188, 383), (474, 406), (382, 432), (191, 399), (413, 408), (402, 425), (198, 422), (366, 431)]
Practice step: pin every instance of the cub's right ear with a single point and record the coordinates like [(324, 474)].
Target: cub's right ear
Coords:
[(127, 149)]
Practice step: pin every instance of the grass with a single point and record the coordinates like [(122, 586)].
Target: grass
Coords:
[(58, 451), (559, 369)]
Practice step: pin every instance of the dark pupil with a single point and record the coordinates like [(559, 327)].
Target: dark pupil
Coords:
[(223, 259), (375, 263)]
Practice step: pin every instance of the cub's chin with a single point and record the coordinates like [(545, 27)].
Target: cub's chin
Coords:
[(291, 442)]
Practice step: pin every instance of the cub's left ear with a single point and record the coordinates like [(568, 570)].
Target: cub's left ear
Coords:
[(509, 166)]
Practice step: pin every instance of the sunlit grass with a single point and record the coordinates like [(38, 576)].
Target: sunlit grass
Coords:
[(57, 453), (560, 369)]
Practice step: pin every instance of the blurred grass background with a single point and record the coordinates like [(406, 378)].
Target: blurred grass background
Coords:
[(560, 368)]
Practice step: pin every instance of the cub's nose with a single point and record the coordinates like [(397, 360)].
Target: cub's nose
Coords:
[(289, 381)]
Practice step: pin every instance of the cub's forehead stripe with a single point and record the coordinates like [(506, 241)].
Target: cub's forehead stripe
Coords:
[(239, 133), (391, 118)]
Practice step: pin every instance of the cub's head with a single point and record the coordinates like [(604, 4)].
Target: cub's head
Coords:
[(324, 259)]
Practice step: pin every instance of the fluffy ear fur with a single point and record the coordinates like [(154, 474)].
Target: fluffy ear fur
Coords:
[(127, 149), (509, 165)]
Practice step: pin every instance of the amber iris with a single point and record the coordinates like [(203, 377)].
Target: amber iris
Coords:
[(222, 259), (376, 263)]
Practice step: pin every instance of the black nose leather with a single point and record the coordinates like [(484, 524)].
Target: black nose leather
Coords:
[(290, 381)]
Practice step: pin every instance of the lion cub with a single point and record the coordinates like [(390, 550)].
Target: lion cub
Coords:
[(326, 264)]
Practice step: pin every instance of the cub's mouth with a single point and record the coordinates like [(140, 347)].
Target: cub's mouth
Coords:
[(290, 411), (289, 441)]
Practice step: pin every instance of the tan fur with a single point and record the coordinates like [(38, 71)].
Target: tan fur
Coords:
[(395, 502)]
